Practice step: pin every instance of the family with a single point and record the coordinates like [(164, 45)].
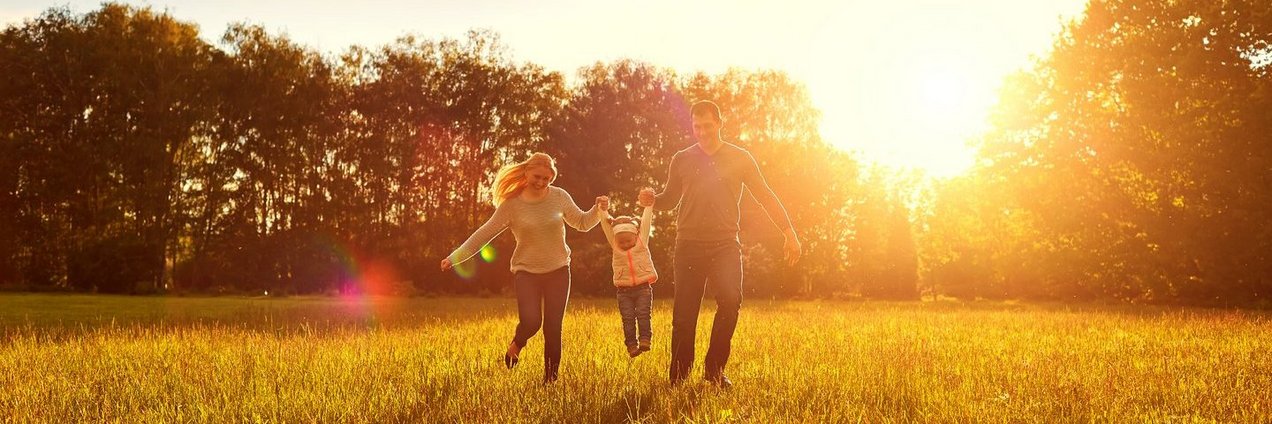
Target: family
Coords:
[(704, 187)]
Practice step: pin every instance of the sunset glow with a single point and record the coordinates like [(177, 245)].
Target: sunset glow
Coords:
[(907, 84), (903, 84)]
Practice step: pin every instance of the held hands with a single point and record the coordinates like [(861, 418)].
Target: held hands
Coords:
[(602, 203), (646, 197)]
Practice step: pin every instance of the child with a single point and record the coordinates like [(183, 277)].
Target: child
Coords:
[(634, 275)]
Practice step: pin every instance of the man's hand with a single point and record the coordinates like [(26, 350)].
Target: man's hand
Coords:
[(646, 197), (602, 202), (446, 264), (792, 249)]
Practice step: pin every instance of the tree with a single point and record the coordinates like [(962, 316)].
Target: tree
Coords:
[(1132, 148), (431, 122)]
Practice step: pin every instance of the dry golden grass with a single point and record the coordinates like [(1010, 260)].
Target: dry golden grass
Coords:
[(99, 358)]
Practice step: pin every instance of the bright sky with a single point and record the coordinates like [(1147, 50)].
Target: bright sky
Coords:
[(903, 82)]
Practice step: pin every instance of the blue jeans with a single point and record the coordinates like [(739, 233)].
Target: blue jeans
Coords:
[(698, 263), (541, 300), (634, 304)]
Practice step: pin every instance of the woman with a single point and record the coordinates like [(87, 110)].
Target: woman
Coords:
[(526, 201)]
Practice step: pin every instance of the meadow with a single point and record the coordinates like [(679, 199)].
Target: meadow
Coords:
[(80, 358)]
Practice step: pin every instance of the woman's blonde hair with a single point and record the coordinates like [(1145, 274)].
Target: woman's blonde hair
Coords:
[(511, 179)]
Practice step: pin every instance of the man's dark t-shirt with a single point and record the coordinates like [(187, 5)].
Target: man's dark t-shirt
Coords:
[(708, 190)]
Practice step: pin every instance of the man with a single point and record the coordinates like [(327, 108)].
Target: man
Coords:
[(705, 182)]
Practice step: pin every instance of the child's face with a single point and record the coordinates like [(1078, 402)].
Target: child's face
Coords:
[(625, 240)]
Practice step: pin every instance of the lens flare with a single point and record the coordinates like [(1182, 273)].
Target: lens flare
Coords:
[(363, 280), (466, 269), (488, 253)]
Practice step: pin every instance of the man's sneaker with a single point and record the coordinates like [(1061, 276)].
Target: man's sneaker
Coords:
[(678, 378), (719, 380)]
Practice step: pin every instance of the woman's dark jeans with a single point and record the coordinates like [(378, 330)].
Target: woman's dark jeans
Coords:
[(541, 300)]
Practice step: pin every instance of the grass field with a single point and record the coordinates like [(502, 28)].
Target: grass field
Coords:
[(70, 358)]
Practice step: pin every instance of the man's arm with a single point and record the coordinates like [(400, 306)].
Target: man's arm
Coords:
[(759, 188), (670, 197)]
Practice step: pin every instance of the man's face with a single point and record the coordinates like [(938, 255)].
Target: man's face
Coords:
[(539, 177), (705, 126)]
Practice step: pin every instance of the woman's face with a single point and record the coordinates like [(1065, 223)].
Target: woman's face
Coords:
[(539, 177)]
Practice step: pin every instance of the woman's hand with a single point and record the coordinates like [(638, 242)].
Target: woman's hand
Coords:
[(446, 264)]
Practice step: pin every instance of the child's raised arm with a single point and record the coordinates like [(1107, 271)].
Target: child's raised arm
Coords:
[(646, 225), (608, 229)]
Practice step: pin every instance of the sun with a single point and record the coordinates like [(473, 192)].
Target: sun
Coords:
[(940, 93), (949, 105), (910, 115), (908, 89)]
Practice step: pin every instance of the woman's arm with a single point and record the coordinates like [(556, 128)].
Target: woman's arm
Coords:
[(484, 234), (582, 221)]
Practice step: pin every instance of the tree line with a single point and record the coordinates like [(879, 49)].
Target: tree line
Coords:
[(136, 157), (1133, 162)]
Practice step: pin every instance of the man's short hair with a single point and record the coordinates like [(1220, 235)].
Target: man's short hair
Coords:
[(706, 108)]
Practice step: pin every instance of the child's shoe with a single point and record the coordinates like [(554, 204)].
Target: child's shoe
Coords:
[(634, 351), (644, 345)]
